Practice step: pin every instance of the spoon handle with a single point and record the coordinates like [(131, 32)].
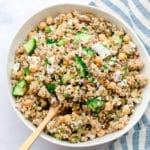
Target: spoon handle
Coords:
[(27, 144)]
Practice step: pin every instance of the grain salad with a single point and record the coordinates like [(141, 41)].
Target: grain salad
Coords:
[(87, 64)]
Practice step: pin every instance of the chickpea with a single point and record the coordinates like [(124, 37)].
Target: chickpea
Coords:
[(112, 85), (126, 110), (42, 25), (98, 61), (126, 38), (49, 20), (28, 103), (28, 78), (101, 132), (102, 37), (33, 68), (19, 51), (108, 106), (122, 56)]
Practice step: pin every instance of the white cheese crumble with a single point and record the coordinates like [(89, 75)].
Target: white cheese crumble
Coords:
[(33, 59), (132, 45), (51, 59), (50, 69), (70, 22), (16, 66), (117, 76), (101, 50), (40, 76), (122, 83)]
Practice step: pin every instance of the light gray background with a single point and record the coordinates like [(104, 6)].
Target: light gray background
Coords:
[(13, 13)]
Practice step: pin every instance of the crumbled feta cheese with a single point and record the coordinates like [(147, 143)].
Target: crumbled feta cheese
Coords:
[(70, 22), (101, 50), (16, 66), (33, 59), (117, 76), (122, 83), (132, 45), (50, 69), (51, 59), (40, 76)]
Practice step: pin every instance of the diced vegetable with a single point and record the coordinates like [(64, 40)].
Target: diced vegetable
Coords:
[(66, 95), (118, 38), (26, 71), (20, 88), (58, 136), (48, 29), (51, 88), (62, 42), (102, 50), (84, 28), (81, 66), (30, 46), (66, 77), (81, 37), (46, 61), (50, 41), (89, 51), (95, 104)]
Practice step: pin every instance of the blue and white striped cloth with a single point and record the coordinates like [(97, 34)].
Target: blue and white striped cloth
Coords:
[(137, 14)]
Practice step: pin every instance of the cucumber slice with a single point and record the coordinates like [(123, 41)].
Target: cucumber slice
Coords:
[(66, 77), (26, 71), (81, 37), (81, 66), (20, 88), (30, 46), (62, 42), (118, 38), (95, 104)]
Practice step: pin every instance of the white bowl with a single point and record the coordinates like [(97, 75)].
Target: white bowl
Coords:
[(64, 8)]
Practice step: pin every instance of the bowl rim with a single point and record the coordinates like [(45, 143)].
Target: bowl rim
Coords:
[(27, 122)]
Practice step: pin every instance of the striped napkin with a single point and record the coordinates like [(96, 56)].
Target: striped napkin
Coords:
[(137, 14)]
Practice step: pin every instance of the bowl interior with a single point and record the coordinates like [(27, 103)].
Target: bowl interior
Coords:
[(64, 8)]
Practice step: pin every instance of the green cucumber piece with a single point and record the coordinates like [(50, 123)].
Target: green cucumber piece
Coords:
[(20, 88), (81, 66), (95, 104), (81, 37), (89, 51), (62, 42), (66, 77), (30, 46), (118, 38), (26, 71)]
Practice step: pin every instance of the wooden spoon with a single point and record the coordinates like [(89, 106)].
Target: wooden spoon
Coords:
[(27, 144)]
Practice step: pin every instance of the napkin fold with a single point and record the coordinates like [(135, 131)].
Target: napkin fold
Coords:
[(136, 13)]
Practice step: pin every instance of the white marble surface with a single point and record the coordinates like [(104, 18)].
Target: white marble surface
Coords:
[(12, 15)]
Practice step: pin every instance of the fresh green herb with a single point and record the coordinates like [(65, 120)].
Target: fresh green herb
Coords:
[(116, 119), (46, 61), (90, 79), (51, 88), (89, 51), (105, 66), (48, 29), (20, 88), (95, 104), (84, 28), (50, 41), (81, 66), (62, 42), (66, 95), (26, 71)]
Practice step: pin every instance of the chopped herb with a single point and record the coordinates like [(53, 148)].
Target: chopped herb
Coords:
[(89, 51), (84, 28), (51, 88), (66, 95), (58, 136), (105, 66), (46, 61), (50, 41), (116, 119)]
